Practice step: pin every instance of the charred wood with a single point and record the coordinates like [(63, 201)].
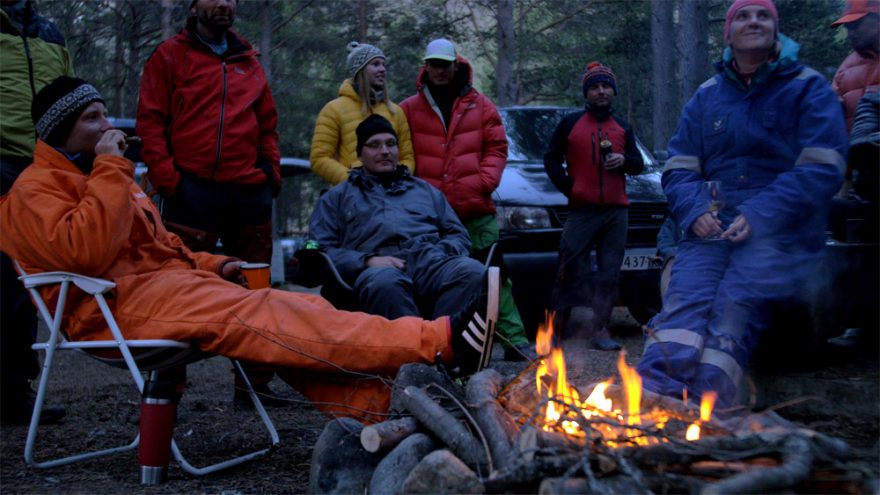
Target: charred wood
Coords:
[(797, 461)]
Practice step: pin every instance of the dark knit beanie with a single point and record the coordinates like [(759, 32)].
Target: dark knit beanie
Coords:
[(372, 125), (58, 105), (596, 73)]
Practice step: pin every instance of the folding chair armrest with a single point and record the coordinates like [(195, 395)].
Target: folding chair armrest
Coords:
[(90, 285), (316, 268)]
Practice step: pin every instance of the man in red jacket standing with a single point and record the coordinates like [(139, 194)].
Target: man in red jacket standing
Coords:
[(599, 148), (207, 119), (461, 149)]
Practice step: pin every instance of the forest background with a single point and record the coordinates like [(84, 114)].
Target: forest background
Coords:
[(524, 52)]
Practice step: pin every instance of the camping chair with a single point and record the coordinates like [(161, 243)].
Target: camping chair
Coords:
[(139, 357), (315, 268)]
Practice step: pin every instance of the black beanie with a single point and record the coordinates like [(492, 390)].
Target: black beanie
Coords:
[(58, 105), (372, 125)]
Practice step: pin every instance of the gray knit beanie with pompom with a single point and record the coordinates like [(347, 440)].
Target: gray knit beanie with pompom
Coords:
[(359, 55)]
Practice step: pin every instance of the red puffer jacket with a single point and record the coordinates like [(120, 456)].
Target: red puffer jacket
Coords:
[(207, 115), (466, 162), (854, 76)]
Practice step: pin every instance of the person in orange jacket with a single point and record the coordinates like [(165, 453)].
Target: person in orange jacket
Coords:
[(94, 220), (860, 71)]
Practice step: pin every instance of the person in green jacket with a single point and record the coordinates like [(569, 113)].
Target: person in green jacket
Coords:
[(32, 54)]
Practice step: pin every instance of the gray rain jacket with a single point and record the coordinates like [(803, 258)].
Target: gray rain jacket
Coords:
[(398, 215)]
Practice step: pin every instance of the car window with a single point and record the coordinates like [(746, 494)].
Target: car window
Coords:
[(529, 131)]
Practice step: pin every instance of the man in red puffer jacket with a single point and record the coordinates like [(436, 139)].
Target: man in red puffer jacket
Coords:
[(461, 149)]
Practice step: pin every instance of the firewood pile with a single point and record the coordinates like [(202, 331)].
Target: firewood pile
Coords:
[(491, 436)]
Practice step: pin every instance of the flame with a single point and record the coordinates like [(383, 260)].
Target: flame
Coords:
[(707, 403), (565, 411)]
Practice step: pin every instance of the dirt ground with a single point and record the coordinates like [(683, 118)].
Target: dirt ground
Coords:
[(102, 411)]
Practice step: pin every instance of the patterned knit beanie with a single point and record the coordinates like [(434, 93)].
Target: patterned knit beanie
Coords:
[(738, 4), (57, 106), (596, 73), (372, 125), (359, 55)]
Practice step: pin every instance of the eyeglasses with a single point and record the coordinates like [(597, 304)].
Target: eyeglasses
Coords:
[(439, 64), (377, 145)]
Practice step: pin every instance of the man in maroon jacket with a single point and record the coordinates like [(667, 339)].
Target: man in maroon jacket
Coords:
[(599, 148), (207, 119), (461, 149)]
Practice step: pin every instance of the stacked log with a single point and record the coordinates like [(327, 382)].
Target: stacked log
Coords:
[(482, 439)]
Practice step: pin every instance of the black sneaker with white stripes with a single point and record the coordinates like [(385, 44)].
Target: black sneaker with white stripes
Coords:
[(474, 328)]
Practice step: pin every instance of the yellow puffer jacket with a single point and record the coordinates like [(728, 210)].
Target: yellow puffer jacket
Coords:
[(334, 143)]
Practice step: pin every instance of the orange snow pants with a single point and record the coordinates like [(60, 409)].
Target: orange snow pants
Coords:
[(338, 359)]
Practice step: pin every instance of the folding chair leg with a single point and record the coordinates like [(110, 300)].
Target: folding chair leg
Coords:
[(34, 426), (270, 426)]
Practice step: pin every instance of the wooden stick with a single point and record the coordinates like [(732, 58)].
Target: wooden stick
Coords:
[(797, 461), (392, 471), (384, 436), (443, 425), (495, 423)]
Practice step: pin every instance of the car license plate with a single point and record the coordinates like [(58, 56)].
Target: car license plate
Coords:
[(639, 262)]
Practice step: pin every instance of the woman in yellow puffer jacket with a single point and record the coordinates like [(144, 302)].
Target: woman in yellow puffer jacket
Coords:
[(333, 143)]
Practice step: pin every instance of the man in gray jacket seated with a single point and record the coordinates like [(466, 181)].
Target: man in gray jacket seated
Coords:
[(393, 237)]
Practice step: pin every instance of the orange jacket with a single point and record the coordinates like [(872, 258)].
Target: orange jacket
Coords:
[(102, 225), (853, 77)]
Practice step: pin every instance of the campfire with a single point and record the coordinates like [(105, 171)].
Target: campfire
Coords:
[(533, 432), (564, 411)]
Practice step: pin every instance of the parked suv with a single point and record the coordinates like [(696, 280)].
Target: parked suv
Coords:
[(531, 214)]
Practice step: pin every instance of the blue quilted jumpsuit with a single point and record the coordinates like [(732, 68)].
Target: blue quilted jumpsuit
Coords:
[(778, 147)]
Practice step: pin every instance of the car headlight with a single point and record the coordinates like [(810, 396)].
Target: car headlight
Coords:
[(523, 218)]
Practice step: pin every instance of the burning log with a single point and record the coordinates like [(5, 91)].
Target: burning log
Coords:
[(443, 425), (393, 470), (540, 435), (496, 424), (384, 436), (441, 472)]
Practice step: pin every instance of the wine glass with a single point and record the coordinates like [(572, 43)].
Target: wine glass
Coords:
[(711, 190)]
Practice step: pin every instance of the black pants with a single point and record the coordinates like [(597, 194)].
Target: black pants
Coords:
[(18, 316), (602, 228), (238, 215)]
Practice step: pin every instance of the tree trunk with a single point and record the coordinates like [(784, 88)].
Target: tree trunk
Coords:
[(119, 41), (167, 19), (665, 91), (266, 38), (363, 21), (694, 46), (505, 84)]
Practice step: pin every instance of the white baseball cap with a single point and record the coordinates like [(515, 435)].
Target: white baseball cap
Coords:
[(440, 49)]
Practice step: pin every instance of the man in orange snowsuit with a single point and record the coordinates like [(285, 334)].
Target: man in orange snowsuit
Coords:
[(77, 209)]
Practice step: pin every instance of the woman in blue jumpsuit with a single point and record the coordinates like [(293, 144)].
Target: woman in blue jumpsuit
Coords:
[(772, 132)]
